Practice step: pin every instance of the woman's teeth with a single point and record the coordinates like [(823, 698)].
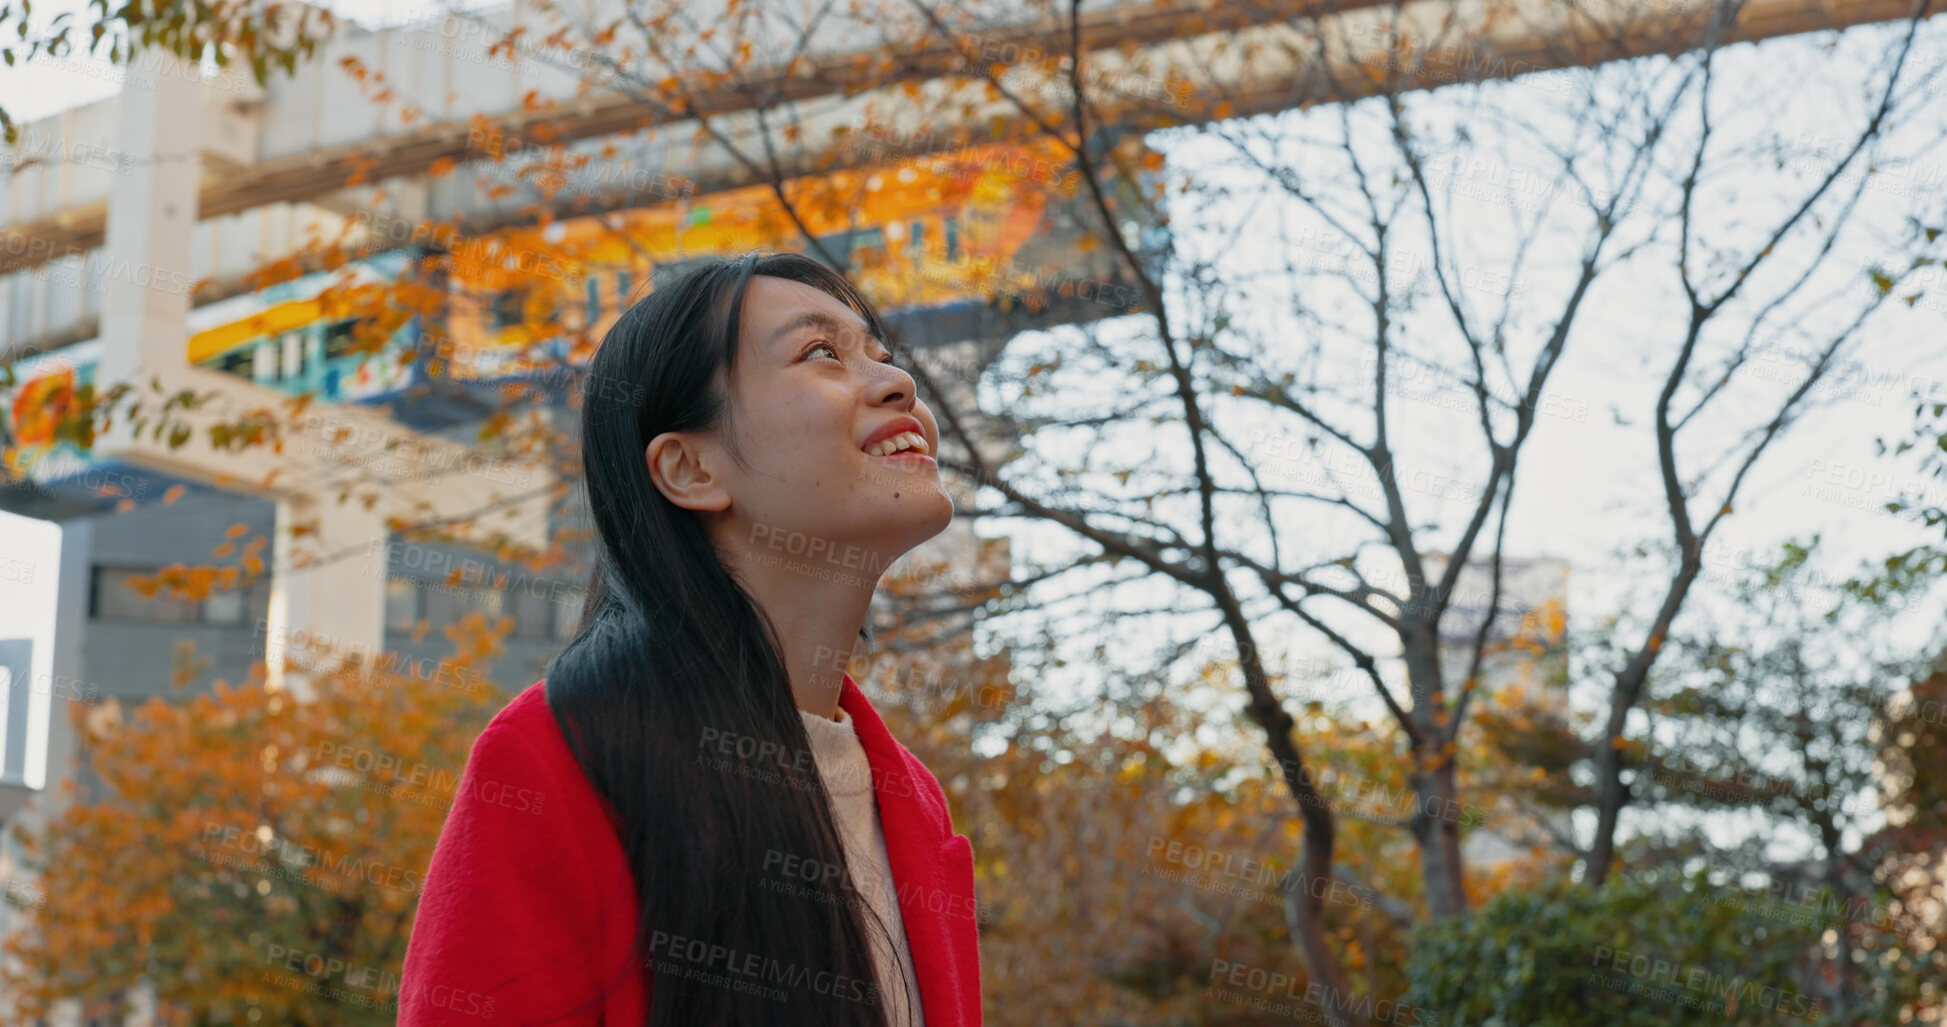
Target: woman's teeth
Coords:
[(903, 440)]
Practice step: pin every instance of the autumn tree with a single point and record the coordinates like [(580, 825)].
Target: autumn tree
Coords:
[(251, 854)]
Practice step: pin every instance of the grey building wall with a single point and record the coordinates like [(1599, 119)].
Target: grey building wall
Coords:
[(130, 656)]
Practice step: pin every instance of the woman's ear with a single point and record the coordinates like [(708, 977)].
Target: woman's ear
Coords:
[(679, 467)]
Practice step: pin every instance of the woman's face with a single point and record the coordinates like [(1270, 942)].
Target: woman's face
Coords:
[(811, 397)]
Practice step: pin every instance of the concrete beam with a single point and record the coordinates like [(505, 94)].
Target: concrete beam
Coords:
[(868, 77)]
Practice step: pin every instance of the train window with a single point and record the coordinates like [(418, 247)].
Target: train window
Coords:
[(338, 339), (508, 308), (240, 361), (293, 343)]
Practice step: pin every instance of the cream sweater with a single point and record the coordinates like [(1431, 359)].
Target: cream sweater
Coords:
[(841, 761)]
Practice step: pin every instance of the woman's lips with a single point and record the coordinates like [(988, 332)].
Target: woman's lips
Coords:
[(907, 454)]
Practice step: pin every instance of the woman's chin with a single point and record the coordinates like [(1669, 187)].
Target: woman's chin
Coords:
[(911, 518), (923, 511)]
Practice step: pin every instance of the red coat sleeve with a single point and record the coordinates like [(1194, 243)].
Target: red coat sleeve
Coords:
[(527, 910)]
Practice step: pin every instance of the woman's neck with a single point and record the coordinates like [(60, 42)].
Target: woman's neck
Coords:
[(817, 620)]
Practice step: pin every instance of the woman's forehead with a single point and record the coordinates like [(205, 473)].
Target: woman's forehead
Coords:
[(775, 307)]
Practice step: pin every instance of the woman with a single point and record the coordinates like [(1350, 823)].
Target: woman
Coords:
[(696, 817)]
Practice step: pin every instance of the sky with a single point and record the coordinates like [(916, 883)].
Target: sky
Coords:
[(42, 87)]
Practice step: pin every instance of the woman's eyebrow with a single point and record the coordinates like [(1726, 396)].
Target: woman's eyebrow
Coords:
[(818, 319)]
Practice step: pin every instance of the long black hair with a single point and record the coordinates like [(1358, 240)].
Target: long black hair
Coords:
[(674, 697)]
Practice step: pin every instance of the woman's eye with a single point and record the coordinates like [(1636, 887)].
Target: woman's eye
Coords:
[(824, 346)]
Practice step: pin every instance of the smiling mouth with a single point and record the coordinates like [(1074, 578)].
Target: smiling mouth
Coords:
[(905, 446)]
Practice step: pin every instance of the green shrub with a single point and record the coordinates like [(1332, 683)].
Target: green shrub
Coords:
[(1633, 954)]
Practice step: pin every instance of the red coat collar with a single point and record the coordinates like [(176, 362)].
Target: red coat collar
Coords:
[(932, 868)]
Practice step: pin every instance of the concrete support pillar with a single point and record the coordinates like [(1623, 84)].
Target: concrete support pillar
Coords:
[(328, 587), (151, 215)]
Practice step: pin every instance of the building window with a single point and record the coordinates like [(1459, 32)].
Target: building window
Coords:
[(403, 604), (225, 607), (594, 286), (111, 598), (952, 227), (533, 613)]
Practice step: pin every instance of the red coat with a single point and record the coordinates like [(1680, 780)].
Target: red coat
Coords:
[(528, 909)]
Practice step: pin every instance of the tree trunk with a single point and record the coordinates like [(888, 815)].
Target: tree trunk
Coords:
[(1303, 907), (1436, 826)]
